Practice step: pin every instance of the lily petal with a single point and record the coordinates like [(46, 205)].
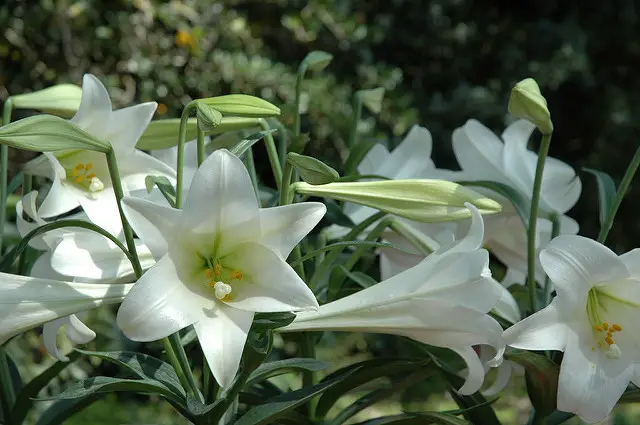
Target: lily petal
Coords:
[(222, 337), (102, 210), (561, 188), (126, 125), (160, 304), (411, 158), (479, 152), (575, 263), (544, 330), (631, 260), (95, 106), (76, 331), (285, 226), (138, 166), (475, 371), (507, 307), (222, 198), (371, 162), (154, 224), (269, 285)]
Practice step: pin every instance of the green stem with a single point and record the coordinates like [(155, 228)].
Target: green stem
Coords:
[(7, 395), (308, 350), (4, 172), (285, 199), (27, 183), (283, 140), (272, 153), (210, 385), (182, 135), (357, 114), (173, 359), (112, 163), (419, 241), (533, 219), (622, 190), (183, 364), (230, 395), (555, 231), (251, 167), (302, 69), (200, 142)]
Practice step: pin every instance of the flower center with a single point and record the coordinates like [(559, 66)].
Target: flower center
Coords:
[(221, 278), (604, 332), (83, 176)]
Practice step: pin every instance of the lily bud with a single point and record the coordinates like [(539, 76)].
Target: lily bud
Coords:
[(61, 99), (242, 105), (208, 117), (316, 60), (312, 170), (527, 102), (420, 200)]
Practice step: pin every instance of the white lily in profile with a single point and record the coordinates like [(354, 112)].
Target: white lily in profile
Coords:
[(442, 301), (222, 258), (81, 178), (27, 302), (484, 156), (594, 319)]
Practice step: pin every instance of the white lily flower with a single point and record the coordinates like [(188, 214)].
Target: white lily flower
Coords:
[(81, 178), (593, 319), (27, 302), (221, 260), (442, 301)]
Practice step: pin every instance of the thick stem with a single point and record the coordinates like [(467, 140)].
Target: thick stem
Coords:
[(357, 114), (622, 190), (27, 183), (183, 364), (251, 167), (182, 135), (533, 219), (555, 231), (272, 153), (4, 172), (210, 385), (173, 359), (287, 174), (200, 142)]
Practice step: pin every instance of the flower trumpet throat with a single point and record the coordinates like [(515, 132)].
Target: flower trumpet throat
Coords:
[(83, 175), (604, 331), (220, 278)]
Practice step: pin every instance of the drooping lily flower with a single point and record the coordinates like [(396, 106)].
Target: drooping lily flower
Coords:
[(81, 178), (594, 319), (222, 258), (27, 302), (441, 301)]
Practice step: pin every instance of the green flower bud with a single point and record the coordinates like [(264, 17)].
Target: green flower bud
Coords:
[(316, 60), (208, 118), (61, 99), (312, 170), (420, 200), (527, 102), (242, 105)]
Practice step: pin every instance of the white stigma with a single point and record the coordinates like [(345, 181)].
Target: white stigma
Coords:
[(95, 185), (221, 290), (613, 351)]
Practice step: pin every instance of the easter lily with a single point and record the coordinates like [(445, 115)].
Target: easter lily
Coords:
[(81, 178), (441, 301), (27, 302), (221, 259), (593, 319)]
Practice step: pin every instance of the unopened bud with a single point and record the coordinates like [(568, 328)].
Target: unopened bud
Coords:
[(527, 102)]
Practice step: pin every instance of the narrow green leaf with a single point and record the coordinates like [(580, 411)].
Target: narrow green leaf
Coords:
[(165, 187), (143, 365), (280, 405), (362, 279), (280, 367), (242, 105), (239, 149), (541, 379), (16, 379), (357, 154), (208, 117), (25, 397), (48, 133), (316, 60), (335, 215), (558, 417), (519, 202), (361, 373), (15, 182), (337, 245), (423, 418), (62, 410), (312, 170), (474, 407), (606, 193), (264, 321)]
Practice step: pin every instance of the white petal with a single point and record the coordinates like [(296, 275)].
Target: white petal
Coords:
[(519, 163), (95, 107), (222, 199), (475, 235), (502, 379), (373, 160), (269, 283), (518, 132), (411, 158), (544, 330), (27, 302), (138, 165), (590, 384), (631, 260), (285, 226), (27, 205), (507, 307), (575, 264), (76, 331), (61, 198), (561, 188), (479, 152), (103, 210), (126, 126), (160, 304), (154, 224), (475, 371), (222, 336)]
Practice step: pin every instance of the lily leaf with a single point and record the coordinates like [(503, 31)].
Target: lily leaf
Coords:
[(239, 149), (64, 409), (522, 205), (280, 367), (541, 378), (165, 187), (607, 193)]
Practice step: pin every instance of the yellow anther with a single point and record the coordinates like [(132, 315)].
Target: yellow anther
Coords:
[(217, 269), (599, 328), (605, 326), (212, 284), (616, 328), (79, 167), (236, 274), (75, 172), (209, 274), (609, 340), (90, 176), (79, 179), (89, 166)]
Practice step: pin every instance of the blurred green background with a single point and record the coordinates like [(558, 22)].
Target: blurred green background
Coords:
[(441, 63)]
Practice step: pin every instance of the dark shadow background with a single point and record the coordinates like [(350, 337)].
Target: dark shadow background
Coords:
[(441, 62)]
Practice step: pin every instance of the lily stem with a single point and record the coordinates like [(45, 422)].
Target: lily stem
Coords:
[(182, 135), (27, 183), (183, 362), (272, 153), (622, 190), (555, 231), (4, 172), (533, 219), (200, 142), (175, 362), (251, 167)]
